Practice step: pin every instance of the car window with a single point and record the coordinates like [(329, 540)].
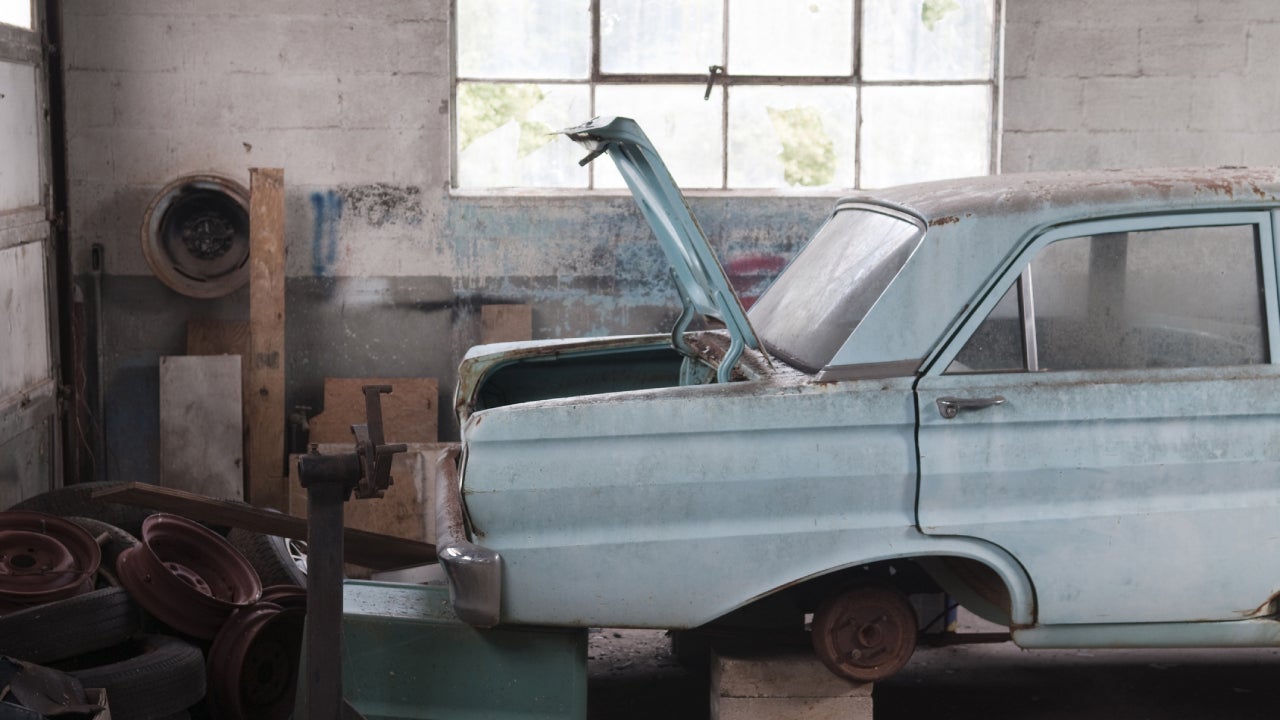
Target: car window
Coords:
[(1181, 297), (815, 304)]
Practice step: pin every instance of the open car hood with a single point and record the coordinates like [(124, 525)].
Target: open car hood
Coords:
[(704, 289)]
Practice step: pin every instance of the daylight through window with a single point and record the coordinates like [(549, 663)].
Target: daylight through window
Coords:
[(791, 94), (16, 12)]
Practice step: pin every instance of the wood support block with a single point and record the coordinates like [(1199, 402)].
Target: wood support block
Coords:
[(783, 685), (265, 402)]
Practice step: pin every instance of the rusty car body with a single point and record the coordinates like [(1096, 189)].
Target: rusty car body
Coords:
[(1052, 395)]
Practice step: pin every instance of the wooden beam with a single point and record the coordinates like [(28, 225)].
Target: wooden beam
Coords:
[(265, 404), (371, 550)]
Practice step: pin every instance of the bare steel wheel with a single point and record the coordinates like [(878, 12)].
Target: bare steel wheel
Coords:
[(865, 633)]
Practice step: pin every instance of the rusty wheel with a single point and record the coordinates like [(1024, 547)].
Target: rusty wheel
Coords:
[(865, 633), (187, 576), (43, 558)]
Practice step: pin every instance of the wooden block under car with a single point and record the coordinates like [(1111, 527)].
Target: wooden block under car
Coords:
[(409, 413), (783, 685)]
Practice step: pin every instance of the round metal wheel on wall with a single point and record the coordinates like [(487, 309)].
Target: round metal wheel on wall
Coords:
[(195, 235), (865, 633)]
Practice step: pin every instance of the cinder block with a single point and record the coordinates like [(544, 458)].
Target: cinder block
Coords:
[(1136, 104), (779, 675), (1083, 51), (1193, 50), (1263, 51), (1226, 102), (1043, 104), (844, 708)]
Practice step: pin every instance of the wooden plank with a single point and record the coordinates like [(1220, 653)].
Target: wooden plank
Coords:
[(505, 323), (202, 425), (265, 403), (409, 413), (367, 549)]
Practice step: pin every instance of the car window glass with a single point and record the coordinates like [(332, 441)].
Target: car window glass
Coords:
[(996, 345), (1182, 297)]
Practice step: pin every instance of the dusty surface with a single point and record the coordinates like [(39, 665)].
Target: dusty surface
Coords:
[(632, 674)]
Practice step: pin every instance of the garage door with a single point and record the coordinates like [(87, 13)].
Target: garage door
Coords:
[(28, 390)]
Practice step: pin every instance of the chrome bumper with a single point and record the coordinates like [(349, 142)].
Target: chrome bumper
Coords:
[(475, 573)]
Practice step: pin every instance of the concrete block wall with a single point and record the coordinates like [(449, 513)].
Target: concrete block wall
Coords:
[(387, 268), (1099, 84)]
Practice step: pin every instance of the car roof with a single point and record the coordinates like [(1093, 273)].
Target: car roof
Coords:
[(976, 224), (1109, 192)]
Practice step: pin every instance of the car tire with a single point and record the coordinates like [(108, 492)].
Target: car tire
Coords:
[(164, 678), (78, 500), (269, 555), (66, 628), (117, 540)]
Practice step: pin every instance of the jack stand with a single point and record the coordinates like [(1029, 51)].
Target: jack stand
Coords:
[(329, 481)]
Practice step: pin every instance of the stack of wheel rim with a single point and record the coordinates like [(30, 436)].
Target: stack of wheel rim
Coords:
[(187, 575), (44, 558)]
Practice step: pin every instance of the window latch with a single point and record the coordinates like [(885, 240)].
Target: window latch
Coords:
[(712, 72)]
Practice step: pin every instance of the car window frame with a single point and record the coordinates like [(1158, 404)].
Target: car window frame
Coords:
[(1264, 220)]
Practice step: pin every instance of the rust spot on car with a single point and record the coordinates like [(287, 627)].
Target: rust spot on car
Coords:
[(944, 220)]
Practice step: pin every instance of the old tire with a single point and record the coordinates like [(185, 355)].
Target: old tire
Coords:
[(67, 628), (165, 677), (78, 500), (117, 540), (270, 556)]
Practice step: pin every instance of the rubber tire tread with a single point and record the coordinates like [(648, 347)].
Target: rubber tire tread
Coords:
[(117, 540), (268, 555), (166, 678), (66, 628), (78, 500)]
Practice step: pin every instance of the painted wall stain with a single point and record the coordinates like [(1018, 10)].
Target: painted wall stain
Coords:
[(326, 208), (381, 204)]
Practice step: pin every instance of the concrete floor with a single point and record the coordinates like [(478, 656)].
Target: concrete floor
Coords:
[(632, 675)]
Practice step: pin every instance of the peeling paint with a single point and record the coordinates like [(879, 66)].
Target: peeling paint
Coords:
[(380, 204)]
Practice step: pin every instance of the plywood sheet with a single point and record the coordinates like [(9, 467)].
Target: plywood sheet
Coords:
[(409, 413), (201, 425), (505, 323), (407, 509)]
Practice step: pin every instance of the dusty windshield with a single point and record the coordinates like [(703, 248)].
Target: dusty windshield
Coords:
[(814, 305)]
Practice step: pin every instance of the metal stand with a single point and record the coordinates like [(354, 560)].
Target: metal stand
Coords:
[(329, 481)]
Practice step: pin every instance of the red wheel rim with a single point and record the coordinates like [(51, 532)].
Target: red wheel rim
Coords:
[(253, 663), (187, 576), (44, 558)]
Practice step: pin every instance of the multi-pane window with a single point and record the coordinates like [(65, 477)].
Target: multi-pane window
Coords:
[(16, 12), (792, 94), (1181, 297)]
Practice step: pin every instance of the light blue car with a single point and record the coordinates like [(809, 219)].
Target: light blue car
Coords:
[(1052, 396)]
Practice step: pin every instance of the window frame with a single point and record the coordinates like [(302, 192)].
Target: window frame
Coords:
[(1264, 222), (596, 78)]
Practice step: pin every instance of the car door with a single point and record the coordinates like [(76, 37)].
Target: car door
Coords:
[(1109, 415)]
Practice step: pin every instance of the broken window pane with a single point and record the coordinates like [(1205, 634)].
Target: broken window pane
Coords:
[(789, 137), (685, 129), (927, 39), (505, 135), (912, 134), (16, 12), (660, 36), (767, 37), (496, 40)]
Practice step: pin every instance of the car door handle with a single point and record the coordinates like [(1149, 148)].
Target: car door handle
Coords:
[(951, 406)]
